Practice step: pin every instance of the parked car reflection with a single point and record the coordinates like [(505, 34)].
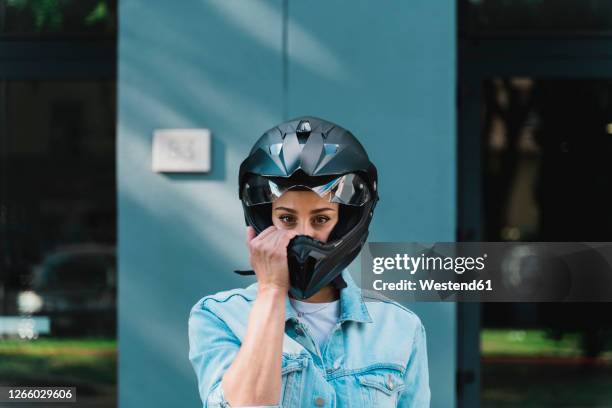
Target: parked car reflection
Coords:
[(76, 287)]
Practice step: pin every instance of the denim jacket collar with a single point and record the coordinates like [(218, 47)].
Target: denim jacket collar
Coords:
[(352, 306)]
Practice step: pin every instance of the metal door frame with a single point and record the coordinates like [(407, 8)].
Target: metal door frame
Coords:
[(480, 59)]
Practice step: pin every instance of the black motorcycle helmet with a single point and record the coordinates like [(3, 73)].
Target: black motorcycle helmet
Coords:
[(312, 153)]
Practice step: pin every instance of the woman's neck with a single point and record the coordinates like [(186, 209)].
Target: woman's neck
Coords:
[(328, 293)]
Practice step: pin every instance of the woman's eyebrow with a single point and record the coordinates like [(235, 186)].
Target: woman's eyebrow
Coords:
[(291, 210), (315, 211), (318, 210)]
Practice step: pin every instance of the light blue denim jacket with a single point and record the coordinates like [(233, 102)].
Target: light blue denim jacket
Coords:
[(376, 356)]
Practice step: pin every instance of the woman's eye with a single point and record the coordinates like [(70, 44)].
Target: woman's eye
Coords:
[(321, 219), (287, 219)]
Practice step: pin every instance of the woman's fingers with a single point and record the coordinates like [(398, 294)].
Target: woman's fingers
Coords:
[(266, 232), (262, 235), (283, 241), (271, 243), (271, 240), (268, 256), (250, 234)]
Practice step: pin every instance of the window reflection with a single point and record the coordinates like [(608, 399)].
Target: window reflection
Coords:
[(58, 236), (528, 17)]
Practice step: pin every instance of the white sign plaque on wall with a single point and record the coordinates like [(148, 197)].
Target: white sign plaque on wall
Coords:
[(181, 150)]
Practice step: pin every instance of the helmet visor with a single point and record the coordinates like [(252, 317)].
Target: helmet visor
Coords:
[(349, 189)]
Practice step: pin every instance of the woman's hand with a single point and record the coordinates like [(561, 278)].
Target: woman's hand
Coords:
[(268, 256), (254, 377)]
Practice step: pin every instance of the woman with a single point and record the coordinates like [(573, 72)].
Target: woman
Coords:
[(305, 334)]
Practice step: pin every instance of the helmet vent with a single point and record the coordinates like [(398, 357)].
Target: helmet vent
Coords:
[(330, 148), (303, 131), (275, 149), (304, 127)]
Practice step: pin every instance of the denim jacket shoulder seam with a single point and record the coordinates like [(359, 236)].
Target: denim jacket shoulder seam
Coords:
[(201, 302), (220, 320), (420, 327), (394, 303)]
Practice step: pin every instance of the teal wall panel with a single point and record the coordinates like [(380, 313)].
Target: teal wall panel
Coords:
[(387, 73), (188, 63)]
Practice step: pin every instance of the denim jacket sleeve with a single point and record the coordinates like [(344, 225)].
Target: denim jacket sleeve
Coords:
[(212, 348), (417, 394)]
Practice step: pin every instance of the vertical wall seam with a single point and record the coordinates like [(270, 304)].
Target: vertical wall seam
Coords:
[(285, 59)]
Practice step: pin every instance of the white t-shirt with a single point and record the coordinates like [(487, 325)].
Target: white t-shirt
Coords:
[(320, 318)]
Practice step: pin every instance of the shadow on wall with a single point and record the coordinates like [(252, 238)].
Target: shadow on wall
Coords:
[(194, 63), (211, 64)]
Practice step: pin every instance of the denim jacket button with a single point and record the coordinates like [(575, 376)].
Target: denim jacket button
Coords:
[(298, 330), (336, 364), (319, 402), (390, 384)]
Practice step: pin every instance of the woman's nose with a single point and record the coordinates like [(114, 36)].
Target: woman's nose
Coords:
[(305, 228)]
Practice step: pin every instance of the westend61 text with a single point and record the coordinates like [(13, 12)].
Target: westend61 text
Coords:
[(430, 284)]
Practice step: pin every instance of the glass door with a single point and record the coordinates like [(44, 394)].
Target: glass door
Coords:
[(58, 197)]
